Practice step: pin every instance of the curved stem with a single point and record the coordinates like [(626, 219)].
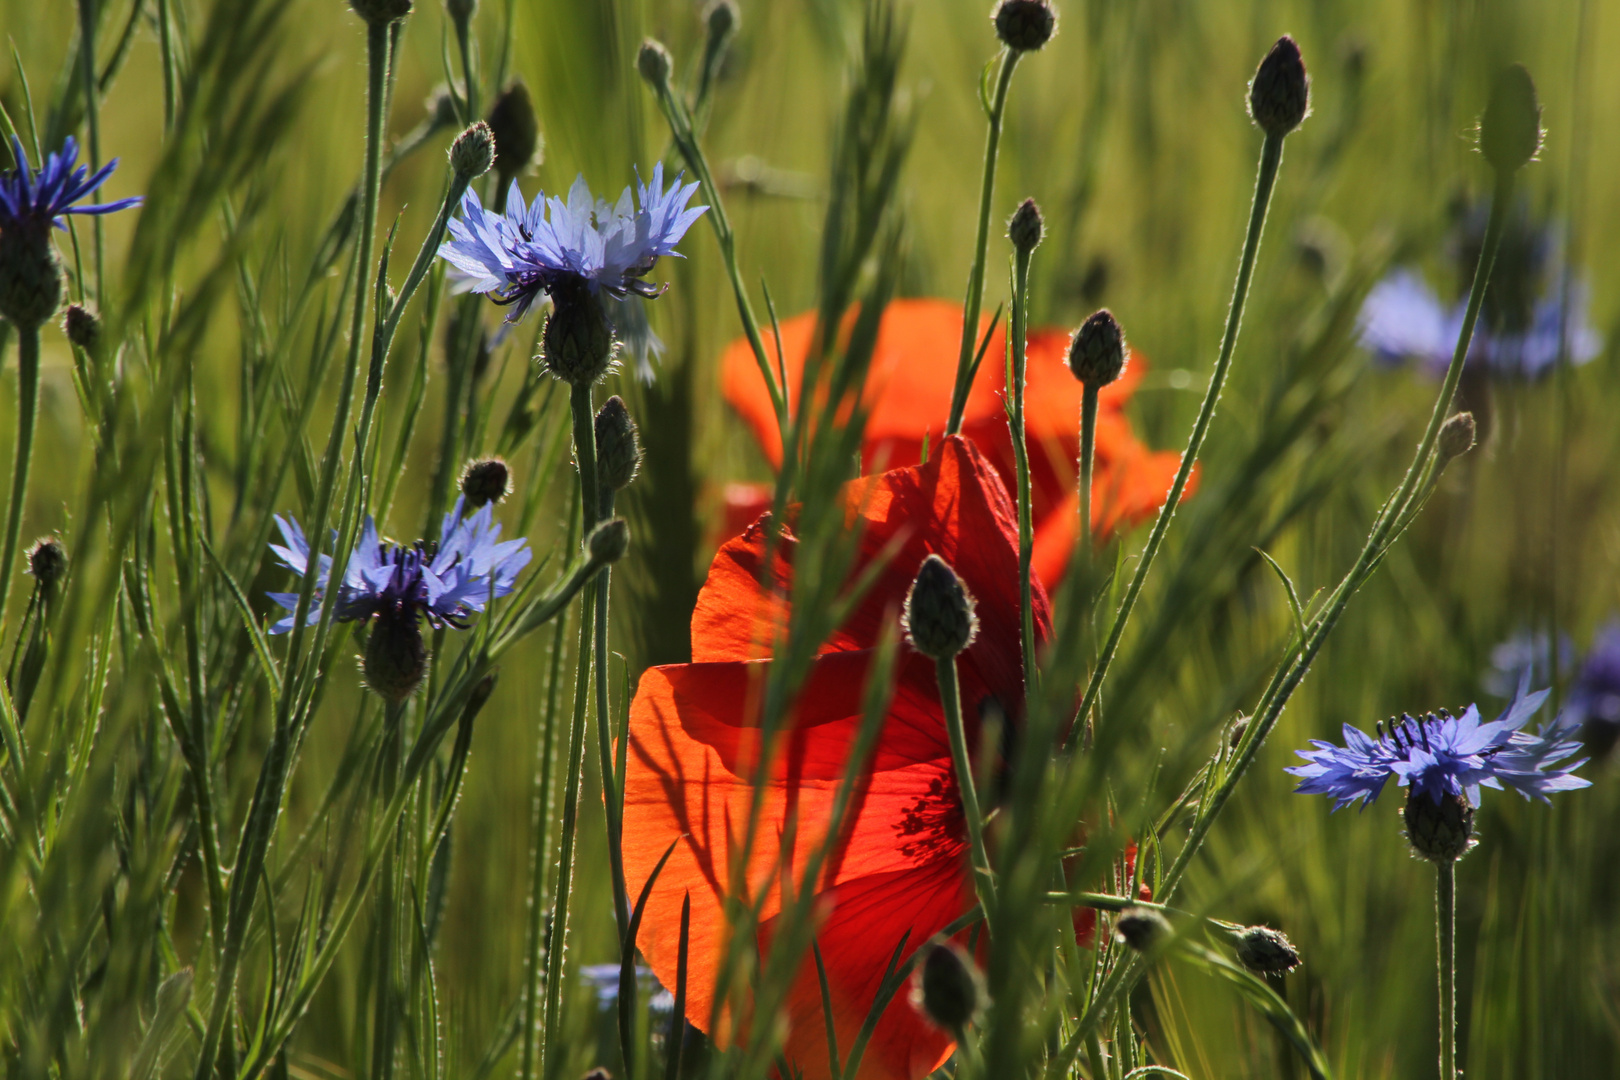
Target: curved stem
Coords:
[(1270, 159), (27, 411), (951, 700), (1445, 924), (981, 242)]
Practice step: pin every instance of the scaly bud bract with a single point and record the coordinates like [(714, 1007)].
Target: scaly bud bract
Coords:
[(578, 340), (485, 480), (618, 446), (1264, 950), (1097, 350), (1025, 25), (30, 276), (396, 658), (939, 620), (473, 152), (1439, 832), (1279, 96), (1026, 228), (609, 541)]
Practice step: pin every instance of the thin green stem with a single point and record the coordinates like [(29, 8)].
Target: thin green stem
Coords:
[(27, 411), (92, 120), (1026, 528), (981, 244), (1445, 927), (951, 699), (1270, 159), (1088, 451)]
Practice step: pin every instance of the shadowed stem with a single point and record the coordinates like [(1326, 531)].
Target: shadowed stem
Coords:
[(950, 699), (1026, 530), (981, 243), (1088, 451), (92, 123), (1270, 159), (1445, 925), (27, 410)]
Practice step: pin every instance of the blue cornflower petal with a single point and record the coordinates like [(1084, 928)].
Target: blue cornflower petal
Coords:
[(42, 197)]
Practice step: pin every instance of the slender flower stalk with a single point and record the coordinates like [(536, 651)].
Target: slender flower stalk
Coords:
[(1088, 453), (1445, 920), (27, 411), (1025, 231), (951, 701), (1097, 357)]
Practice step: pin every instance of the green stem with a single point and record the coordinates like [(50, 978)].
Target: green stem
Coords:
[(1270, 159), (950, 698), (981, 243), (1445, 923), (1088, 449), (1026, 528), (27, 411), (92, 115)]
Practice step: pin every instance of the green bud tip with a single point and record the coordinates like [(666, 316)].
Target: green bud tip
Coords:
[(1510, 130), (1024, 25), (47, 561), (654, 63), (82, 327), (486, 480), (948, 987), (1141, 928), (577, 342), (381, 12), (1456, 436), (461, 10), (516, 130), (938, 616), (1097, 351), (473, 152), (1279, 96), (618, 446), (441, 107), (609, 541), (30, 276), (1266, 951), (1026, 227), (396, 658), (722, 19), (1439, 832)]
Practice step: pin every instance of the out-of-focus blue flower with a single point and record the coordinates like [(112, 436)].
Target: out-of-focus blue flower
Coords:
[(1594, 697), (604, 979), (1440, 755), (446, 581), (39, 199), (533, 249), (1525, 652)]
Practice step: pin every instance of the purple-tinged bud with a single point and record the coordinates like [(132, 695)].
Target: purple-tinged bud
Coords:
[(609, 541), (1439, 832), (1456, 437), (1141, 928), (516, 131), (30, 276), (1025, 25), (618, 447), (473, 152), (82, 328), (948, 987), (654, 63), (47, 561), (1026, 228), (396, 658), (1279, 96), (1266, 951), (486, 480), (1097, 350), (381, 12), (1510, 130), (938, 618)]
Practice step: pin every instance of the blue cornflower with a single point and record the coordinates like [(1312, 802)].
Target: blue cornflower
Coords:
[(1525, 651), (446, 582), (1594, 697), (1445, 756), (585, 241), (40, 199)]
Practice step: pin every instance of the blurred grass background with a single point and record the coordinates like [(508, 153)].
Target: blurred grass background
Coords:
[(1129, 130)]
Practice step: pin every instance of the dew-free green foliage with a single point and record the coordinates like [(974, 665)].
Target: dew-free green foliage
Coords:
[(187, 803)]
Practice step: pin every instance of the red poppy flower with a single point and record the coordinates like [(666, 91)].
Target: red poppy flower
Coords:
[(900, 867), (909, 395)]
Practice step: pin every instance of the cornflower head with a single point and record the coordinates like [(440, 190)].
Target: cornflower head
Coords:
[(445, 581), (31, 201), (1594, 697), (575, 251), (1521, 652)]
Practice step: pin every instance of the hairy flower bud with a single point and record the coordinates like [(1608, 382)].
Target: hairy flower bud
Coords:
[(654, 63), (485, 480), (938, 617), (1026, 227), (1097, 350), (578, 340), (722, 19), (1456, 436), (609, 541), (396, 658), (30, 276), (1266, 951), (1279, 96), (1025, 25), (381, 12), (1439, 832), (618, 447), (47, 561), (82, 327), (1510, 130), (473, 152), (948, 987), (516, 131), (1141, 928)]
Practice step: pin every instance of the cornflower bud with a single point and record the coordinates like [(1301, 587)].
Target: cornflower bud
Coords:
[(47, 561), (1141, 928), (396, 658), (1264, 950), (1097, 350), (1439, 832), (30, 276), (1026, 228), (1279, 96), (1456, 436), (1510, 130), (486, 480), (722, 18), (654, 63), (578, 340), (82, 327), (473, 152), (381, 12), (618, 448), (460, 10), (609, 541), (1025, 25), (516, 130), (938, 616), (948, 987)]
